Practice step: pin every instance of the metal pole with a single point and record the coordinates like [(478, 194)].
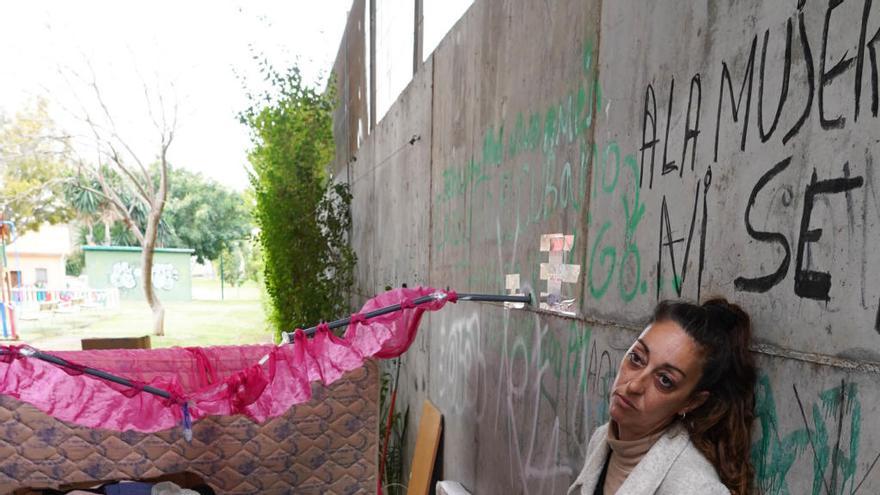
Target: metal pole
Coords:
[(372, 65), (4, 301), (221, 275), (6, 284), (418, 37), (526, 298), (30, 352), (3, 318)]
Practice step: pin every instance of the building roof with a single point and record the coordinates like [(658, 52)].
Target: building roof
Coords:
[(137, 249)]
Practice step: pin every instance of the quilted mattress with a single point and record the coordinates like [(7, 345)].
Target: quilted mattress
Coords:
[(327, 445)]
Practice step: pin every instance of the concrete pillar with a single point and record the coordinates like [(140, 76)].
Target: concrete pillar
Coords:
[(372, 65), (418, 34)]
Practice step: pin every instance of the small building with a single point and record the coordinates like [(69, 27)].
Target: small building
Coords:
[(120, 267), (36, 259)]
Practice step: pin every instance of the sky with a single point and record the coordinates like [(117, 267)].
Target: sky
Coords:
[(196, 53)]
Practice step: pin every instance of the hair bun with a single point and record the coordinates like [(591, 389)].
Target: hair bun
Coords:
[(725, 314)]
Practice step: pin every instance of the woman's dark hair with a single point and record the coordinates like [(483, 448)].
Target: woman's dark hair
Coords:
[(721, 427)]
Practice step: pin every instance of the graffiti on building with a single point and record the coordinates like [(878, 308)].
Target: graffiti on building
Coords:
[(830, 436), (165, 275), (745, 169), (124, 275)]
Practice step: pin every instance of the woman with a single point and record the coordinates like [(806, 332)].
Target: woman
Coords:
[(682, 408)]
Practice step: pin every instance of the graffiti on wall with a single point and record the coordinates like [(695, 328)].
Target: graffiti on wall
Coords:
[(542, 166), (546, 157), (165, 275), (734, 151), (751, 117), (830, 438), (538, 391), (126, 276)]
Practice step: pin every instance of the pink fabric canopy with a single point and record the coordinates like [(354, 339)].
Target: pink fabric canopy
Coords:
[(260, 381)]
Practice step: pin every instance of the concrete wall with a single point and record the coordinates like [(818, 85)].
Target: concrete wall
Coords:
[(685, 156), (351, 119), (120, 267)]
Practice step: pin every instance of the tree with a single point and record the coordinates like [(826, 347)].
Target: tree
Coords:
[(140, 193), (33, 169), (75, 263), (203, 215), (92, 209), (86, 204), (302, 214), (199, 213), (231, 259), (252, 250), (253, 260)]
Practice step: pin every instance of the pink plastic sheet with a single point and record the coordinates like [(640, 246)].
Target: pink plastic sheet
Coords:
[(213, 380)]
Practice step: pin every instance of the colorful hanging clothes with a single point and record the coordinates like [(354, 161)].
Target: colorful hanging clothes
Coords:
[(259, 381)]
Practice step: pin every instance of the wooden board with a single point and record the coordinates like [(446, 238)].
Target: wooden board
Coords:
[(116, 343), (427, 442)]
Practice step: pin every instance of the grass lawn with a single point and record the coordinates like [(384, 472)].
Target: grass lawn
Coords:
[(205, 321)]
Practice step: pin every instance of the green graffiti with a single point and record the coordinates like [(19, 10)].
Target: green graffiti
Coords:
[(607, 251), (567, 119), (630, 261), (578, 343), (524, 138), (476, 175), (567, 188), (631, 251), (835, 404), (551, 131), (493, 149), (773, 454), (585, 107), (549, 172), (457, 180), (612, 147), (632, 215), (532, 191), (536, 207)]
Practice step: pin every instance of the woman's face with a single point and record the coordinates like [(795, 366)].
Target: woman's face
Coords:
[(656, 380)]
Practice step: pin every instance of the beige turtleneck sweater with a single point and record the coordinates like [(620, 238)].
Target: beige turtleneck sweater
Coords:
[(625, 455)]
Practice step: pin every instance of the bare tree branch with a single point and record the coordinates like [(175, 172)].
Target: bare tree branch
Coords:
[(146, 194), (114, 128), (146, 91), (108, 193)]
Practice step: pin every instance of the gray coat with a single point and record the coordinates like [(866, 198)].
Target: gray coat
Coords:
[(673, 466)]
